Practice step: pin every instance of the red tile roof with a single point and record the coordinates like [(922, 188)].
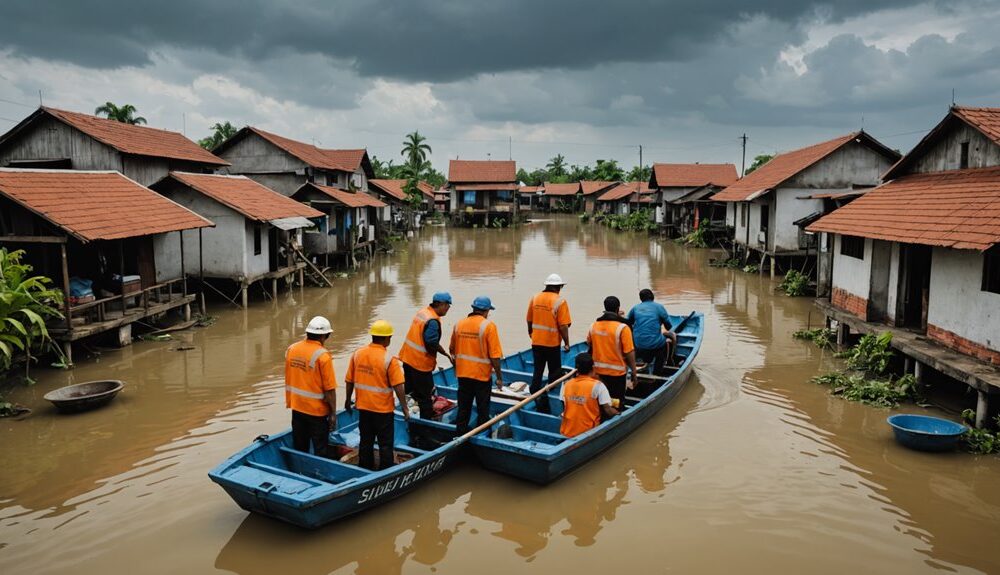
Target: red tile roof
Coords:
[(593, 186), (138, 140), (780, 168), (349, 199), (529, 189), (622, 191), (478, 171), (561, 189), (310, 154), (395, 188), (693, 175), (486, 187), (96, 205), (350, 159), (246, 196), (986, 120), (956, 209)]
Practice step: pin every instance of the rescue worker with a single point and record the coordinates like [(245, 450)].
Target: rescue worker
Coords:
[(420, 350), (311, 389), (651, 329), (376, 375), (585, 399), (475, 346), (548, 323), (611, 346)]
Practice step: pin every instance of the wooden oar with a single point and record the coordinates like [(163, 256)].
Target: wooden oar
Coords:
[(680, 325), (499, 417)]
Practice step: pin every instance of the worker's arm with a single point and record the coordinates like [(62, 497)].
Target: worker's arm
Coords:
[(609, 410), (401, 396), (564, 334), (495, 362), (432, 339), (349, 394), (444, 352), (529, 315), (451, 346), (630, 360), (331, 398)]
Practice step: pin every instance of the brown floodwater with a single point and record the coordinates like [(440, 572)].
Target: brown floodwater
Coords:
[(750, 468)]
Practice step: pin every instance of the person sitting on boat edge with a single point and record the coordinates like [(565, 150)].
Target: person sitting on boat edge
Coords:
[(611, 346), (377, 375), (650, 322), (475, 345), (420, 350), (548, 322), (311, 389), (585, 399)]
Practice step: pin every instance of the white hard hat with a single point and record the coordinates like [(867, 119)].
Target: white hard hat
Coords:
[(319, 325), (554, 280)]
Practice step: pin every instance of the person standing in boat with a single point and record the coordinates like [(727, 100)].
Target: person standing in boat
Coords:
[(585, 399), (475, 345), (654, 341), (420, 350), (548, 323), (377, 376), (611, 346), (311, 389)]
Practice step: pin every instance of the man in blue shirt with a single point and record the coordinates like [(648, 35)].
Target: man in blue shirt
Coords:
[(651, 331)]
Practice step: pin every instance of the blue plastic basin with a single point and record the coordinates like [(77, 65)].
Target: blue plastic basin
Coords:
[(926, 433)]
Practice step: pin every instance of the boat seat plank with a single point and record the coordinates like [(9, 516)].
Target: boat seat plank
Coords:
[(321, 468), (541, 421), (286, 474), (522, 433), (263, 477)]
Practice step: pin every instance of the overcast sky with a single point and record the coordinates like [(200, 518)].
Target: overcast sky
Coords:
[(588, 79)]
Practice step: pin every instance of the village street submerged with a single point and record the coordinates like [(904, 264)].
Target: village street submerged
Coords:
[(751, 465)]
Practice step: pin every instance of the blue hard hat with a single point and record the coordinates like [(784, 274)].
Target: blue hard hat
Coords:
[(482, 302), (442, 296)]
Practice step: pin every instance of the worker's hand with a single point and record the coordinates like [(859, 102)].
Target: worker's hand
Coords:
[(451, 358), (406, 414), (634, 381), (565, 346), (332, 421), (347, 406), (499, 383)]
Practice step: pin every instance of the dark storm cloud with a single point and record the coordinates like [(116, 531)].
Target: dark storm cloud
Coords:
[(412, 40)]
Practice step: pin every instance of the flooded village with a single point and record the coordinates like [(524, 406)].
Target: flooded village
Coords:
[(252, 313)]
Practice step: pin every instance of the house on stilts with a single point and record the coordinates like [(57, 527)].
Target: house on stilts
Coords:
[(483, 192), (686, 197)]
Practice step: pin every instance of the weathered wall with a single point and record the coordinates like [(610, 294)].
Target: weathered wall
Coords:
[(946, 154), (957, 303), (255, 155), (224, 247), (285, 184), (49, 139), (731, 214), (784, 234), (753, 221), (852, 275), (146, 171), (893, 282), (260, 263), (852, 164)]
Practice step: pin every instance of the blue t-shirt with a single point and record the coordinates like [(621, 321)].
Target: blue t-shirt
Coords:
[(646, 319), (432, 335)]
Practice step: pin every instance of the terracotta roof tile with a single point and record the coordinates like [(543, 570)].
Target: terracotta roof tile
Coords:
[(529, 189), (780, 168), (349, 159), (561, 189), (138, 140), (693, 175), (96, 205), (509, 186), (987, 120), (624, 190), (593, 186), (349, 199), (957, 209), (308, 153), (246, 196), (395, 188), (479, 171)]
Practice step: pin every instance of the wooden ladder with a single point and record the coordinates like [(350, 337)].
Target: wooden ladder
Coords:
[(314, 273)]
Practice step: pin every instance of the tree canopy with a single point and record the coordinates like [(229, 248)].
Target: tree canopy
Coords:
[(220, 133), (758, 161), (124, 113)]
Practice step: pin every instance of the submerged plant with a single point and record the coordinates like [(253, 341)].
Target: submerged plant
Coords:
[(871, 354), (751, 268), (795, 283), (695, 238), (886, 392), (822, 337), (980, 441)]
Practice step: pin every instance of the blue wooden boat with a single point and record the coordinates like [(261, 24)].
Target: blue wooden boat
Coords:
[(532, 448)]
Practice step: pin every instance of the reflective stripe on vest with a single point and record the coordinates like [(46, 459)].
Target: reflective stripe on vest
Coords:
[(385, 391), (618, 350), (482, 345), (543, 327), (303, 393), (315, 357), (373, 388), (414, 351), (419, 348)]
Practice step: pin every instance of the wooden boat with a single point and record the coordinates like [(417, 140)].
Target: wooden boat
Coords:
[(531, 446), (84, 396)]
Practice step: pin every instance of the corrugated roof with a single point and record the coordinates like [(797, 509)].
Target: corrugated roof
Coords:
[(957, 209), (552, 189), (589, 187), (986, 120), (349, 199), (395, 188), (693, 175), (96, 205), (480, 171), (781, 168), (246, 196), (138, 140)]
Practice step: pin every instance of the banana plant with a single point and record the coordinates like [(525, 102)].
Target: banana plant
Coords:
[(26, 302)]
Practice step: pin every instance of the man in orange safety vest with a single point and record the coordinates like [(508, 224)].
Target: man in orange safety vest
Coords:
[(475, 345), (585, 398), (311, 388)]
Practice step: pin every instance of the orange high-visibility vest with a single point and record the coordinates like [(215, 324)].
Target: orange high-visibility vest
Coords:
[(546, 312), (581, 410), (609, 342), (414, 353), (308, 373), (473, 342), (374, 373)]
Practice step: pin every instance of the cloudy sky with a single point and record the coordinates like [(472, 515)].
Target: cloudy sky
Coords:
[(588, 79)]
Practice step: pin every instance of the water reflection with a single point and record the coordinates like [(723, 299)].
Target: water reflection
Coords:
[(484, 253)]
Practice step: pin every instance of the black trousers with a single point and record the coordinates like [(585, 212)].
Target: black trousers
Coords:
[(314, 429), (374, 426), (470, 390), (656, 356), (420, 386), (616, 387), (543, 357)]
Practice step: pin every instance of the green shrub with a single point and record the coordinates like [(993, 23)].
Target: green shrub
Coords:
[(871, 355), (980, 441), (637, 221), (886, 392), (25, 303), (795, 283), (751, 268), (821, 336), (695, 238)]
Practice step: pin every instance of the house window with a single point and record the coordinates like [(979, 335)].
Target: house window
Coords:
[(991, 269), (764, 214), (505, 195), (743, 215), (256, 240), (852, 246), (963, 156), (469, 198)]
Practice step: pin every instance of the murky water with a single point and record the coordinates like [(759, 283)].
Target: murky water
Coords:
[(751, 468)]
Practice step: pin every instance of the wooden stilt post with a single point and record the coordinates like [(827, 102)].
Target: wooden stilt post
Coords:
[(243, 295), (274, 289), (65, 278), (918, 371), (907, 365), (982, 405), (67, 347), (184, 280)]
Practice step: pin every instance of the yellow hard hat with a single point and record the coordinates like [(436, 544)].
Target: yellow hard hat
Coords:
[(381, 328)]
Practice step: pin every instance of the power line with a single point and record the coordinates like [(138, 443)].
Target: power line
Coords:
[(17, 103)]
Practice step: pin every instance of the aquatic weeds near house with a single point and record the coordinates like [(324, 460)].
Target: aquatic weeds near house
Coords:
[(695, 239), (795, 283), (871, 355), (822, 337), (980, 441), (866, 378)]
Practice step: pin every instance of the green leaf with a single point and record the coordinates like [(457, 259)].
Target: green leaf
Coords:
[(17, 325)]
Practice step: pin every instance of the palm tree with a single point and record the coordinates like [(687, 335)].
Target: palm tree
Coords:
[(415, 149), (222, 132), (124, 113), (557, 166)]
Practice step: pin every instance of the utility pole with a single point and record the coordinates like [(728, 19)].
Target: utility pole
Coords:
[(510, 141), (41, 104), (743, 171)]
